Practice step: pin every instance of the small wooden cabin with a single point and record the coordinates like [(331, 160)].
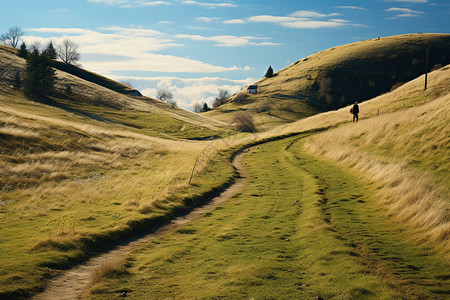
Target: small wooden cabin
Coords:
[(252, 89)]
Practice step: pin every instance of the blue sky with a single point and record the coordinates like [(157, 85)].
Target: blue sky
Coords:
[(193, 48)]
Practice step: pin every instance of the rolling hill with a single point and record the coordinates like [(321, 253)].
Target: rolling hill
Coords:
[(331, 210), (86, 169), (100, 99), (338, 76)]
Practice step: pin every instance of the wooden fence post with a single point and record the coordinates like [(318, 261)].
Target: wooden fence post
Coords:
[(193, 169)]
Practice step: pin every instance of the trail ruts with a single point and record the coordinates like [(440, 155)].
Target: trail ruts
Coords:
[(72, 283)]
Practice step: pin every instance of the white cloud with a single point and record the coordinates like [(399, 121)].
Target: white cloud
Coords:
[(187, 91), (109, 2), (409, 1), (61, 30), (210, 5), (234, 21), (127, 3), (151, 3), (138, 31), (203, 19), (157, 63), (228, 40), (351, 7), (310, 14), (271, 19), (303, 20), (404, 12), (126, 49)]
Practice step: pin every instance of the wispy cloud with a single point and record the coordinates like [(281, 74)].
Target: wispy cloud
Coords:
[(311, 14), (134, 31), (108, 2), (228, 40), (408, 1), (204, 19), (150, 3), (234, 21), (114, 49), (351, 7), (404, 12), (302, 19), (210, 5), (128, 3)]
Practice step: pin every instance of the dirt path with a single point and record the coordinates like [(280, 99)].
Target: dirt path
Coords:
[(73, 282)]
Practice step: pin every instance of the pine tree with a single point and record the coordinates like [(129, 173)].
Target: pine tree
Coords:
[(17, 81), (269, 72), (23, 52), (39, 77), (50, 51)]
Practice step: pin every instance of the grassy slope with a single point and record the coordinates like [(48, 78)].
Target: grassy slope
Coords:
[(83, 170), (101, 102), (338, 76), (67, 183), (352, 233), (302, 227)]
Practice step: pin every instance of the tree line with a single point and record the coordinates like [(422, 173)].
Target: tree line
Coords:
[(39, 77)]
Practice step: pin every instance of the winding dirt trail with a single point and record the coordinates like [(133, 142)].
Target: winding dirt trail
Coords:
[(74, 282)]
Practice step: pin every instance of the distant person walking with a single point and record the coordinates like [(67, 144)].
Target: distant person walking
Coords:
[(355, 111)]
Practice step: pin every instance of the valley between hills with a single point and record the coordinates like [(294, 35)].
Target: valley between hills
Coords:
[(318, 207)]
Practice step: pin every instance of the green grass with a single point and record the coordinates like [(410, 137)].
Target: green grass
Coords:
[(158, 123), (302, 227), (74, 187), (39, 241)]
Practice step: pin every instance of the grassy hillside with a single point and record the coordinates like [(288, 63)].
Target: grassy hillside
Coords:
[(336, 77), (358, 211), (104, 100), (95, 78), (84, 169)]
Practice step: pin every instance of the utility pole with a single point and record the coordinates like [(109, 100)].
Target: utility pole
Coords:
[(426, 67)]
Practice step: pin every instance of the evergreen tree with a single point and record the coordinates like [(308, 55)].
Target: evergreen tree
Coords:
[(39, 77), (17, 81), (23, 52), (269, 72), (205, 107), (50, 51)]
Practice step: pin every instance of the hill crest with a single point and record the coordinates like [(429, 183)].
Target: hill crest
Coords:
[(335, 77)]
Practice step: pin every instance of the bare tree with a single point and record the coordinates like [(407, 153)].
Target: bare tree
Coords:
[(198, 107), (166, 96), (223, 95), (68, 51), (12, 37)]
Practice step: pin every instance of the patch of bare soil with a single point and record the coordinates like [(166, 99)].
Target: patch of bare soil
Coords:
[(74, 282)]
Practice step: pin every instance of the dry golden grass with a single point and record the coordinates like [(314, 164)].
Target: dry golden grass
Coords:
[(355, 71), (407, 154)]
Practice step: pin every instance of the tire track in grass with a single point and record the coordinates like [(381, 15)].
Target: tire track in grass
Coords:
[(73, 283), (297, 230), (353, 216), (269, 242)]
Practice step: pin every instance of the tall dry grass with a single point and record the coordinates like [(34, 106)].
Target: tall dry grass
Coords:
[(408, 95), (55, 165), (407, 154)]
